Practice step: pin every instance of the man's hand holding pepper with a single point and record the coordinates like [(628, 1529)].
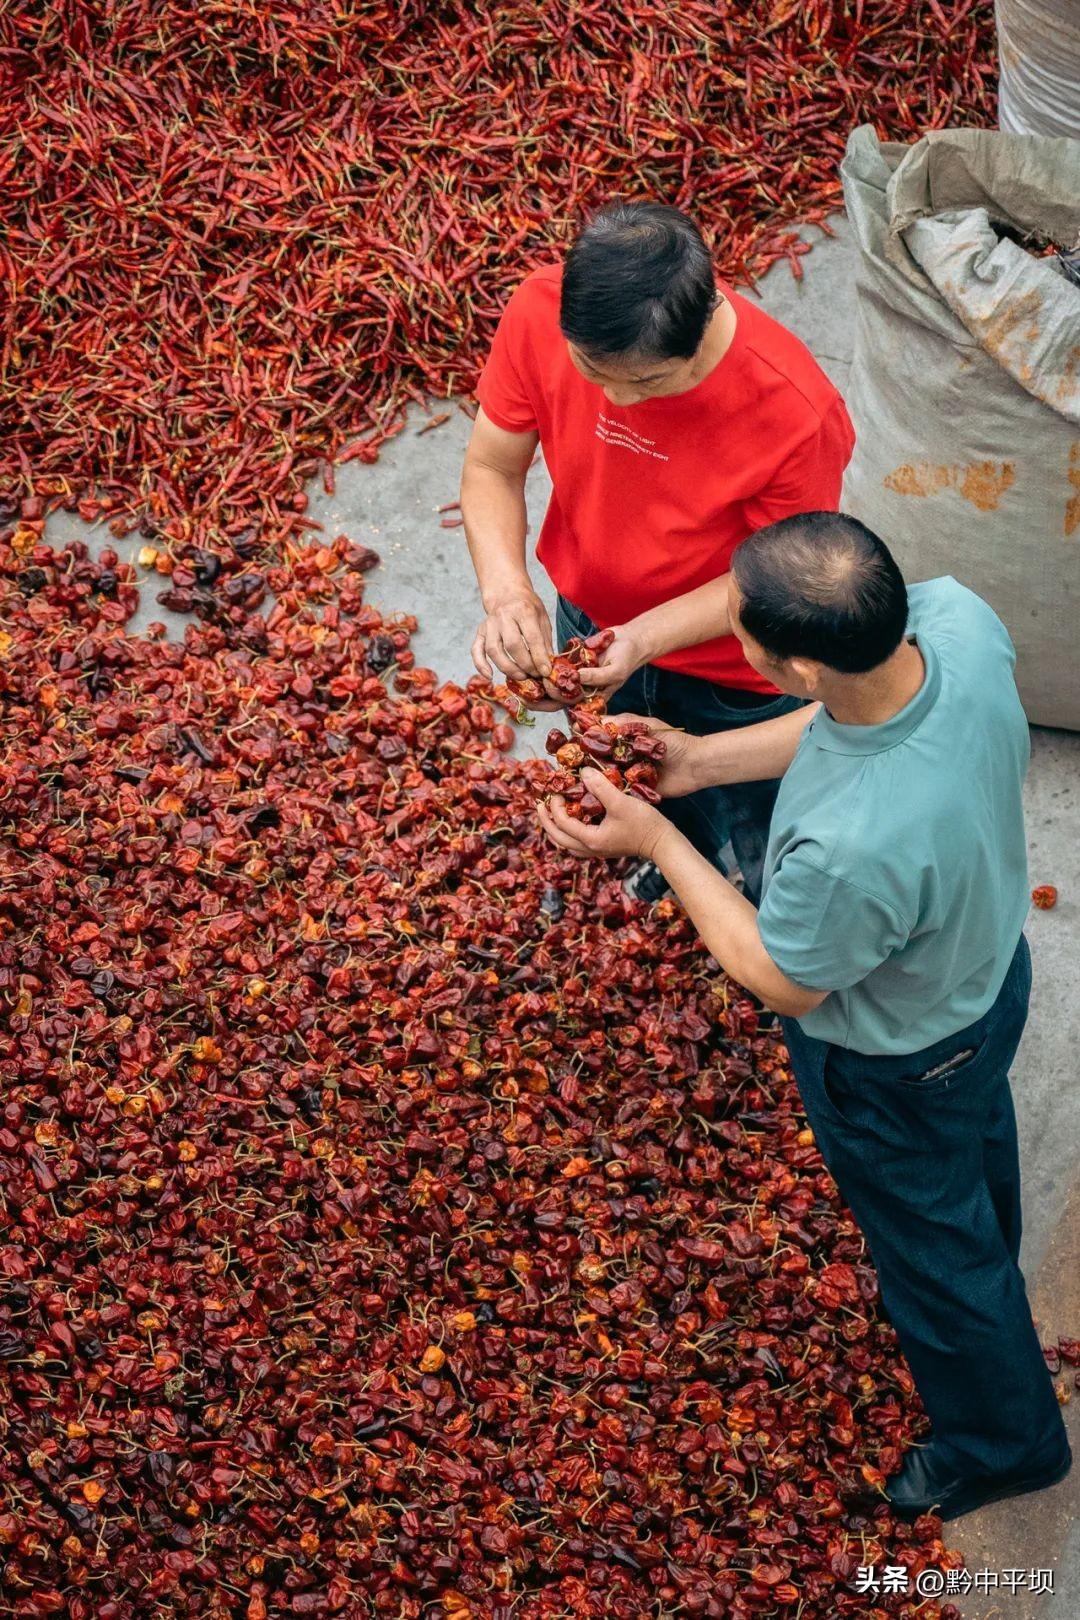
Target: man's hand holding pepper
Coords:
[(725, 919), (683, 767), (515, 636), (630, 826), (684, 621), (627, 653)]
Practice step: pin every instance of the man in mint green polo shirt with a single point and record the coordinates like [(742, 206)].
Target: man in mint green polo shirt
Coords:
[(890, 940)]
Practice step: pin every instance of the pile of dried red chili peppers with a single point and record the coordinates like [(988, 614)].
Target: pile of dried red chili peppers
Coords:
[(395, 1220), (237, 238)]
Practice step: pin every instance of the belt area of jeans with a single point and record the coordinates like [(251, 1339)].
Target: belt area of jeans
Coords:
[(741, 697)]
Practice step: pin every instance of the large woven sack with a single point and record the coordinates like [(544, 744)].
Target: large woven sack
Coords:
[(965, 384), (1039, 55)]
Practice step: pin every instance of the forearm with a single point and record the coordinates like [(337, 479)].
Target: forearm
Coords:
[(727, 922), (686, 620), (493, 507), (751, 753)]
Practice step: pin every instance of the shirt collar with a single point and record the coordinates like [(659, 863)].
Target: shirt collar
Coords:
[(835, 738)]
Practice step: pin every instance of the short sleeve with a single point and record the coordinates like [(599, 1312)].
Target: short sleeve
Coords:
[(811, 477), (822, 931), (503, 388), (948, 610)]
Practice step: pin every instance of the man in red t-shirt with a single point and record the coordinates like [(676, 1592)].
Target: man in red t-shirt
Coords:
[(675, 418)]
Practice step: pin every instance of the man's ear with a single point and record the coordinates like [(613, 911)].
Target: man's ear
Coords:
[(808, 672)]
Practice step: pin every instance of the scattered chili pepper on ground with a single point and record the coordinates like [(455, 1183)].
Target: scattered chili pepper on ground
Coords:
[(433, 422), (1044, 896)]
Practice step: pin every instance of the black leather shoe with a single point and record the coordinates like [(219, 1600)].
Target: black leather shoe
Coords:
[(929, 1483)]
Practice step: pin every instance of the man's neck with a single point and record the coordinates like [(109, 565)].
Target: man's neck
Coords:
[(870, 700), (716, 342)]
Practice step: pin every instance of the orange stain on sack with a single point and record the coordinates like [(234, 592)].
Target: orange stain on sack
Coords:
[(983, 483), (1004, 325), (1067, 386), (1072, 505), (918, 478)]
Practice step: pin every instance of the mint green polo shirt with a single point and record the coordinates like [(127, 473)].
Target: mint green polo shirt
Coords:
[(896, 869)]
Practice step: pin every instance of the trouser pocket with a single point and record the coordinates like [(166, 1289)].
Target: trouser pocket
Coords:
[(571, 621)]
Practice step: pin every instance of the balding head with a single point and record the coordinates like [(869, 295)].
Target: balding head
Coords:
[(821, 586)]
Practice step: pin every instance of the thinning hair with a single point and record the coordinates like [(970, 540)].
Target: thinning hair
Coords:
[(638, 283), (823, 586)]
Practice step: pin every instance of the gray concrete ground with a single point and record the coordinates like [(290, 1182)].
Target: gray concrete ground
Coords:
[(425, 570)]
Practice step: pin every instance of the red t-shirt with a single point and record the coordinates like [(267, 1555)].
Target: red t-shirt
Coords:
[(649, 501)]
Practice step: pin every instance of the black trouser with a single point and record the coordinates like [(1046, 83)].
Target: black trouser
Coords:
[(714, 816), (930, 1168)]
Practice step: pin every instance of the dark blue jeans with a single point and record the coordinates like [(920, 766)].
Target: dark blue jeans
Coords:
[(739, 814), (928, 1164)]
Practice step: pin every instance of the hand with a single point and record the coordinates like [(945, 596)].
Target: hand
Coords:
[(630, 826), (678, 773), (515, 636), (618, 662)]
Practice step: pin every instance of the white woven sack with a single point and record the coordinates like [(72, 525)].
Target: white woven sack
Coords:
[(1039, 51), (965, 383)]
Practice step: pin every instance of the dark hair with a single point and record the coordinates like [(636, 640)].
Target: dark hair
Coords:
[(638, 280), (822, 586)]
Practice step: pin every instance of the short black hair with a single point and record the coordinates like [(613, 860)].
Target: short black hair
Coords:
[(823, 586), (638, 281)]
